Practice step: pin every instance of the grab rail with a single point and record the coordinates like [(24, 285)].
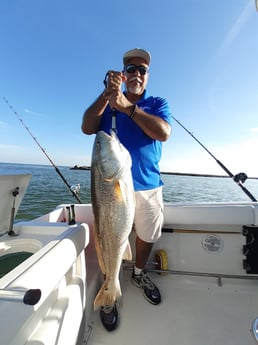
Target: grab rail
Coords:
[(29, 297), (203, 274), (127, 265)]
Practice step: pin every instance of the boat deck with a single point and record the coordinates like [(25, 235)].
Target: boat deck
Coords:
[(194, 310)]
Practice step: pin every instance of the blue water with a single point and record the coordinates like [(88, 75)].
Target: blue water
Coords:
[(47, 190)]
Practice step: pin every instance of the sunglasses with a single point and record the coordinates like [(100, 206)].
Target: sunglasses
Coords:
[(132, 69)]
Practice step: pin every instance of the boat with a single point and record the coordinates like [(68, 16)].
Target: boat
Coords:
[(205, 265), (80, 167)]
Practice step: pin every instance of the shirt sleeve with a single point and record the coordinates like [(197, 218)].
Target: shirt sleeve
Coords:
[(161, 108)]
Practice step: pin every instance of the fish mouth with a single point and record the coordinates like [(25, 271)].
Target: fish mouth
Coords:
[(102, 135), (113, 134), (118, 170)]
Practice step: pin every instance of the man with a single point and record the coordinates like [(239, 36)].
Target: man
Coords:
[(142, 122)]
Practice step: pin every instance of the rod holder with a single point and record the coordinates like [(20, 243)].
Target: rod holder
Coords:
[(11, 232)]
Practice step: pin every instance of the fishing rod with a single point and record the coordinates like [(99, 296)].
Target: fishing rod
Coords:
[(238, 178), (72, 189)]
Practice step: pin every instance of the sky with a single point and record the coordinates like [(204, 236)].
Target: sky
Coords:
[(55, 53)]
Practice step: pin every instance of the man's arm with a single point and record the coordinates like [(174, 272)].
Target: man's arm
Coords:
[(92, 115), (152, 125)]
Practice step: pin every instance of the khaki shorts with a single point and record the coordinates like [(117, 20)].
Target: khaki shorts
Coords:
[(149, 215)]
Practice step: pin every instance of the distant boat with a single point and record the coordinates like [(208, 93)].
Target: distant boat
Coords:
[(83, 167)]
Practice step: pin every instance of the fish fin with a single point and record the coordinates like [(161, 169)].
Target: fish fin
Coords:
[(121, 190), (119, 195), (128, 252), (98, 250), (108, 294)]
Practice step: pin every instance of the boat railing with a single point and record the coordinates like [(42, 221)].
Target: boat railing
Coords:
[(72, 242), (29, 297)]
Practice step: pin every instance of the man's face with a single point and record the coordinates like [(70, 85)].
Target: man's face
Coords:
[(136, 79)]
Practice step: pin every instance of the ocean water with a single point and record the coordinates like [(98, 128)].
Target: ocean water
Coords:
[(47, 190)]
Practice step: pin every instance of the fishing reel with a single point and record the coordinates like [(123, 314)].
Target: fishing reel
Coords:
[(241, 177), (76, 188)]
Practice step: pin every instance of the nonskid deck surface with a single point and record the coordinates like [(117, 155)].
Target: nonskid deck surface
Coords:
[(194, 310)]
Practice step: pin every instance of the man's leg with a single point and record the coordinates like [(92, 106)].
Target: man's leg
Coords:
[(143, 250)]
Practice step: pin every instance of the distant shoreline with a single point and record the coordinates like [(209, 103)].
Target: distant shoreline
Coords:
[(76, 167)]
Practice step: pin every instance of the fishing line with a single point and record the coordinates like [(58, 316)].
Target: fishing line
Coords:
[(238, 178), (71, 188)]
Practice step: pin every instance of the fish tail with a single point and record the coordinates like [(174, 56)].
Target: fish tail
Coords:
[(107, 295)]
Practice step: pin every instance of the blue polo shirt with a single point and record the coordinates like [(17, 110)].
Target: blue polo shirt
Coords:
[(145, 151)]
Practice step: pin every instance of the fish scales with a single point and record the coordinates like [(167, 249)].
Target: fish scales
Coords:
[(113, 205)]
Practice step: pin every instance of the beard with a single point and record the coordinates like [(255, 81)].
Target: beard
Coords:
[(135, 90)]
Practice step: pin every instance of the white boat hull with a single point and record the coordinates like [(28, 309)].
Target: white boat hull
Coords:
[(208, 282)]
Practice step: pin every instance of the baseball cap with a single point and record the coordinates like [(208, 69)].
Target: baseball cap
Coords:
[(137, 52)]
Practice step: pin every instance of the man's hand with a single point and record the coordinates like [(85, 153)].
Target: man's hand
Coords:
[(114, 94), (114, 81), (118, 101)]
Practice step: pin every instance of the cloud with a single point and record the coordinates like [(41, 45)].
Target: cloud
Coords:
[(237, 26), (254, 129), (31, 112), (236, 157), (8, 148)]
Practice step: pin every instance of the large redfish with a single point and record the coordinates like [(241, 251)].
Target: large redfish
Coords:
[(113, 207)]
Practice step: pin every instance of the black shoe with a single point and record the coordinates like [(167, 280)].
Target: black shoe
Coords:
[(150, 290), (109, 317)]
